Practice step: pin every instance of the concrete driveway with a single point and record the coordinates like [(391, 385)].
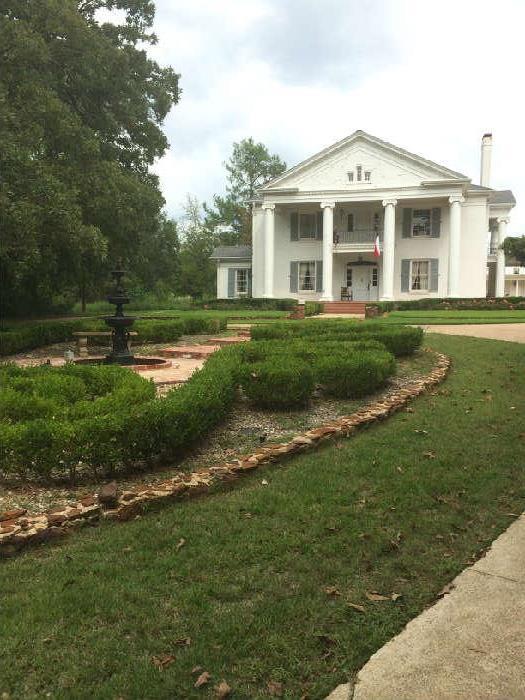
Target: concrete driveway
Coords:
[(514, 332)]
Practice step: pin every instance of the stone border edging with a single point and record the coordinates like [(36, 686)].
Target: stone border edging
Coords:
[(19, 528)]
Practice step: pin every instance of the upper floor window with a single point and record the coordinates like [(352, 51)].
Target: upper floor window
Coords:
[(421, 222), (367, 175), (307, 226), (359, 173), (350, 176)]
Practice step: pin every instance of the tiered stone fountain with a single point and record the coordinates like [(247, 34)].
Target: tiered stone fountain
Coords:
[(121, 327), (120, 324)]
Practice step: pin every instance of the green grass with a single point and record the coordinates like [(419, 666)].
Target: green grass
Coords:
[(454, 317), (400, 508)]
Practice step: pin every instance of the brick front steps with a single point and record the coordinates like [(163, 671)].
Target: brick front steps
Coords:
[(344, 307), (19, 528)]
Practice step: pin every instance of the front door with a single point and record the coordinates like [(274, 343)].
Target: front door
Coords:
[(362, 281)]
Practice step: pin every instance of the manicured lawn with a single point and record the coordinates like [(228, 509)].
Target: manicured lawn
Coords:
[(440, 316), (265, 579)]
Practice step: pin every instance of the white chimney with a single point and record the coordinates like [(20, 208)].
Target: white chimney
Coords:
[(486, 152)]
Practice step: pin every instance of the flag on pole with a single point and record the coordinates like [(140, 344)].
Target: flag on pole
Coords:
[(377, 252)]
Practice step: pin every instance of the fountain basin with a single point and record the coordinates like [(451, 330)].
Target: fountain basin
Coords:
[(139, 364)]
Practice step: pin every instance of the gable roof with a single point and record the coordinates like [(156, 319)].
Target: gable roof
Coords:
[(234, 252), (495, 196), (373, 140)]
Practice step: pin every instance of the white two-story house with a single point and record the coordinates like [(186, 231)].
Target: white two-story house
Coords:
[(364, 220)]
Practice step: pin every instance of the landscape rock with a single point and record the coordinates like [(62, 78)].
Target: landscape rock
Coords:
[(108, 495)]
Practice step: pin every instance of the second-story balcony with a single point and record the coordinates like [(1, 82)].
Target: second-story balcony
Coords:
[(359, 239)]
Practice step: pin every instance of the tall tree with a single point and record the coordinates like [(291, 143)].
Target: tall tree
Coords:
[(81, 109), (250, 166), (197, 271), (514, 247)]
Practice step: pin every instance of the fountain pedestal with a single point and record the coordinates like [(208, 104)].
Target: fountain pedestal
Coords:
[(120, 325)]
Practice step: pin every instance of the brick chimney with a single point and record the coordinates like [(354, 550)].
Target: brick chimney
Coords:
[(486, 152)]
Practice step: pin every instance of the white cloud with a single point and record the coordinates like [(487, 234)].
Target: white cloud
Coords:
[(430, 76)]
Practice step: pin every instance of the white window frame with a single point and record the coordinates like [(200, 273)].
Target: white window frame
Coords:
[(368, 176), (241, 292), (418, 261), (421, 235), (300, 234), (359, 173), (301, 276), (374, 282)]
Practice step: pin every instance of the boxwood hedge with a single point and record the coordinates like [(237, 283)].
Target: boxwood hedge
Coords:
[(400, 340), (27, 336), (54, 419)]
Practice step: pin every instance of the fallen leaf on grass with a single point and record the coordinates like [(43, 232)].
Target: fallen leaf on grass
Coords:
[(183, 642), (332, 591), (275, 688), (202, 680), (429, 455), (162, 661), (196, 669), (395, 596), (264, 482), (359, 608), (376, 597), (180, 543), (222, 690)]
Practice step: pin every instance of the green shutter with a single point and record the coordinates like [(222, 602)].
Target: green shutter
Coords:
[(294, 276), (249, 283), (407, 223), (350, 223), (434, 274), (435, 228), (294, 226), (319, 276), (405, 275), (319, 231), (231, 282)]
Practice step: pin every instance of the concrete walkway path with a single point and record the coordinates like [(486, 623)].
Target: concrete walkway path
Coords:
[(514, 332), (469, 645)]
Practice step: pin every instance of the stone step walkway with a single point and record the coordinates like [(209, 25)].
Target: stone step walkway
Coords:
[(229, 340), (190, 351), (469, 645)]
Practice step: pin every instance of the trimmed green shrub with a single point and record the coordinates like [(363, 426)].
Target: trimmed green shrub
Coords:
[(251, 303), (288, 383), (38, 334), (355, 374), (400, 340), (479, 304), (312, 308)]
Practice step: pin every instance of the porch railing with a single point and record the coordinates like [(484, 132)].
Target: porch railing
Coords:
[(358, 235)]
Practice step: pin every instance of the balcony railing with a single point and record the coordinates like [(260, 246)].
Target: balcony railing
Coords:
[(357, 236)]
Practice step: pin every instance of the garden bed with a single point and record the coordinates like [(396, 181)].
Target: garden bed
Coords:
[(243, 431)]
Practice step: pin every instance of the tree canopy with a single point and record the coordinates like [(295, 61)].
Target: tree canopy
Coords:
[(514, 247), (81, 109), (250, 166)]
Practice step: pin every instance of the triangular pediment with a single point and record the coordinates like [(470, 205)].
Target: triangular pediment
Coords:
[(361, 161)]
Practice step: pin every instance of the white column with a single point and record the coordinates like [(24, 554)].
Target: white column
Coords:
[(328, 250), (454, 245), (500, 256), (389, 240), (269, 236)]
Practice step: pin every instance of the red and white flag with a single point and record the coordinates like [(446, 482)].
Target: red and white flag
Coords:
[(377, 252)]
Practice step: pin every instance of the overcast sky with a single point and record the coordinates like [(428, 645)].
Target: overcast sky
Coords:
[(430, 76)]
